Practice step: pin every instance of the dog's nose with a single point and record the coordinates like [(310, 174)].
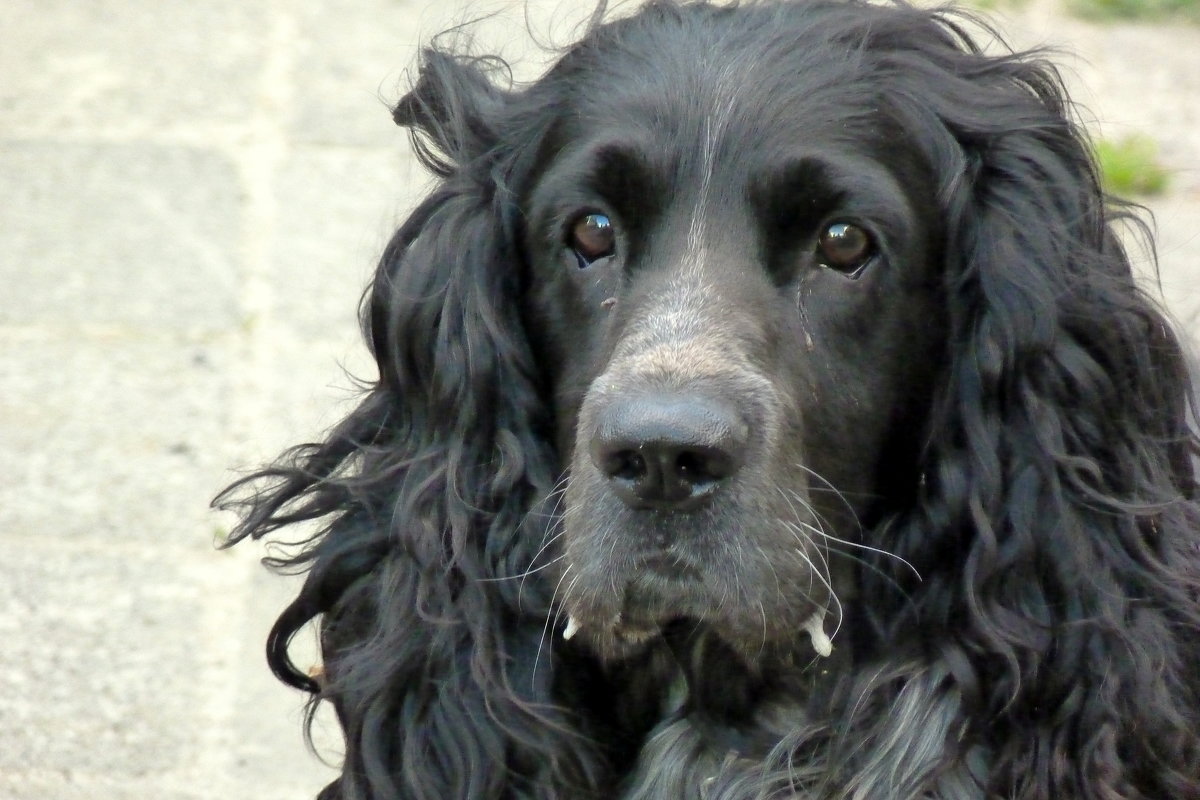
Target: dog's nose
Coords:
[(668, 452)]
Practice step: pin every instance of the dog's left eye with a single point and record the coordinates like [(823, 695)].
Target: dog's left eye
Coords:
[(845, 247), (592, 238)]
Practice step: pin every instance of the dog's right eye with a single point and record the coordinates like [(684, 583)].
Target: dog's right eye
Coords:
[(592, 238)]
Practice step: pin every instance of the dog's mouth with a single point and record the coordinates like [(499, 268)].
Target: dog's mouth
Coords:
[(622, 631), (659, 592), (668, 593), (625, 634)]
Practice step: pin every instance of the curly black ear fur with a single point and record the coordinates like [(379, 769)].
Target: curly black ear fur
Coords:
[(428, 633), (452, 107), (1056, 532)]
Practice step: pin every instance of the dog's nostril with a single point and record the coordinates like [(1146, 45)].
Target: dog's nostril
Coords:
[(627, 465), (689, 465), (667, 452), (699, 467)]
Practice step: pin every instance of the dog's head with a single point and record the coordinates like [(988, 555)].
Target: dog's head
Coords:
[(740, 244)]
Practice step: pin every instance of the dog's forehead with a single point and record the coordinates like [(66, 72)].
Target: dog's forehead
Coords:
[(757, 73)]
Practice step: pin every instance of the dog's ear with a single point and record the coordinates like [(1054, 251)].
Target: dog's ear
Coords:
[(1058, 459), (453, 109), (432, 614)]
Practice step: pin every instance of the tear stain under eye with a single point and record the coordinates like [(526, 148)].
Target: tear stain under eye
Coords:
[(809, 344)]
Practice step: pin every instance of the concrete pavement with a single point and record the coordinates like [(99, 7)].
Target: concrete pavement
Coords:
[(192, 195)]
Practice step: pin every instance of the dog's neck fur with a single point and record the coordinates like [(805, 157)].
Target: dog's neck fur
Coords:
[(721, 719), (721, 715), (726, 732)]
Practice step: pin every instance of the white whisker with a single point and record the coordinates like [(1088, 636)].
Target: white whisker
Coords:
[(857, 545), (551, 618), (526, 573), (877, 550)]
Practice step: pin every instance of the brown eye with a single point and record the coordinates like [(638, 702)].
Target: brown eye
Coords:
[(592, 238), (845, 248)]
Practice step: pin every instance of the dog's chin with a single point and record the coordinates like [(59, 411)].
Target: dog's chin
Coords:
[(634, 621), (618, 638)]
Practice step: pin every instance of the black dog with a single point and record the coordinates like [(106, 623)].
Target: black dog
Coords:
[(765, 409)]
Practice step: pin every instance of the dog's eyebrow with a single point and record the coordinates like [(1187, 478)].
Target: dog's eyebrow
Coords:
[(624, 176), (799, 192), (778, 188)]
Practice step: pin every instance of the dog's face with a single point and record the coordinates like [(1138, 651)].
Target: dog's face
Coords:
[(736, 280)]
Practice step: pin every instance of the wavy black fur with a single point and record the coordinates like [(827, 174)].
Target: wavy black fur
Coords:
[(1033, 459)]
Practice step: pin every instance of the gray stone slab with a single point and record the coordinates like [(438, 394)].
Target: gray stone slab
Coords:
[(132, 673), (26, 785), (117, 439), (101, 634), (119, 235), (138, 67)]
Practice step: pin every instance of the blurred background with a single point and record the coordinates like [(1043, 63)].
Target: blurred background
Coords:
[(192, 195)]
